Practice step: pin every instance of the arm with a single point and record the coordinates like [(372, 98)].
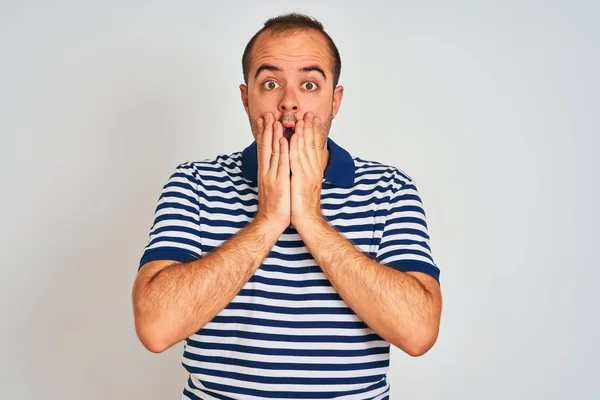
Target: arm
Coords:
[(403, 308), (171, 300)]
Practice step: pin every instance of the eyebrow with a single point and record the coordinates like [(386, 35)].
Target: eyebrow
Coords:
[(268, 67)]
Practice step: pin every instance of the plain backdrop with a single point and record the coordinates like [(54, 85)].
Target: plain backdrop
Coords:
[(492, 107)]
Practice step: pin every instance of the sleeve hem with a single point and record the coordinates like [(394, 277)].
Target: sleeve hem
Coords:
[(415, 266), (172, 254)]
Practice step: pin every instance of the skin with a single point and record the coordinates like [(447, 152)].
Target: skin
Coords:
[(173, 300)]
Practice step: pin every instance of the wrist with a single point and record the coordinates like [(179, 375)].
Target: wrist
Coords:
[(268, 226)]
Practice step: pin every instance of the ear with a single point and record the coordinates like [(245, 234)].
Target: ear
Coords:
[(338, 93), (244, 94)]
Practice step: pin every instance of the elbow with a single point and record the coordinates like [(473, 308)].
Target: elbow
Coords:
[(150, 331), (419, 348), (149, 326), (418, 343), (150, 336)]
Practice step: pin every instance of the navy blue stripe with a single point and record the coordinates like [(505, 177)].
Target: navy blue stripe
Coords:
[(211, 220), (252, 202), (280, 366), (176, 217), (406, 208), (405, 197), (289, 352), (177, 228), (402, 251), (290, 324), (289, 296), (416, 266), (403, 242), (291, 257), (190, 183), (406, 220), (406, 186), (174, 239), (284, 380), (190, 179), (238, 175), (406, 231), (355, 215), (283, 282), (290, 310), (178, 206), (167, 253), (290, 270), (290, 338), (221, 223), (208, 392)]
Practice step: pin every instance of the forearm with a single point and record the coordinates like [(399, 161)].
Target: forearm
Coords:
[(394, 304), (181, 298)]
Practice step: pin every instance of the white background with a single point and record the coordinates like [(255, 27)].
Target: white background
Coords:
[(492, 107)]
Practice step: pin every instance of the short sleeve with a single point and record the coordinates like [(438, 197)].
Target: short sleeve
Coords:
[(175, 232), (405, 240)]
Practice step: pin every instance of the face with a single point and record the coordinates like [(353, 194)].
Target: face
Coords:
[(289, 76)]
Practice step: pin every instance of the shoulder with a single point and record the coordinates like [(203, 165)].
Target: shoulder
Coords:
[(218, 166), (386, 174)]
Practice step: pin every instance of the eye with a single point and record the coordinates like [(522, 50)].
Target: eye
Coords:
[(270, 85), (310, 86)]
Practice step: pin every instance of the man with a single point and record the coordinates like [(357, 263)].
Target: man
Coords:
[(290, 267)]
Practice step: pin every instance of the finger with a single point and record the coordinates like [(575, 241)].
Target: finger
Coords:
[(283, 168), (260, 127), (276, 147), (318, 127), (266, 142), (309, 140), (294, 160), (302, 151)]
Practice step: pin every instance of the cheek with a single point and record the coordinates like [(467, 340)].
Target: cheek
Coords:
[(260, 104)]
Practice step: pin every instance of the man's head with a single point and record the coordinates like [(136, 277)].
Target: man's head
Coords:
[(291, 66)]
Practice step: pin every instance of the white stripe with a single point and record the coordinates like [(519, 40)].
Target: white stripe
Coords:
[(291, 277), (289, 303), (274, 387), (163, 243), (289, 289), (391, 248), (172, 210), (273, 330), (226, 312), (404, 257)]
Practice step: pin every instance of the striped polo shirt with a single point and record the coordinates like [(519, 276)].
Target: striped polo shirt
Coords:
[(288, 334)]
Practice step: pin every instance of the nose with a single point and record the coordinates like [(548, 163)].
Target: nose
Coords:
[(289, 101)]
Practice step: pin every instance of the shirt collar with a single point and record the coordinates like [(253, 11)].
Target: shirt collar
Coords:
[(339, 170)]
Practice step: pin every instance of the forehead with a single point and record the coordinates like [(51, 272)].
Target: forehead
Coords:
[(291, 49)]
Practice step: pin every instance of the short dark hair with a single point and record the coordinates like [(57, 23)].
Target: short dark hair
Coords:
[(292, 23)]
